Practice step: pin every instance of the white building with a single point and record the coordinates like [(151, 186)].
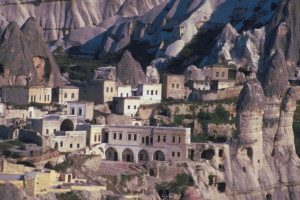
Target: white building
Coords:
[(127, 105), (84, 110), (124, 91), (150, 93), (62, 95)]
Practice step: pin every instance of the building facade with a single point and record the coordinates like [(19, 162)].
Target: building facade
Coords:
[(39, 94), (127, 105), (173, 87), (146, 143), (149, 93), (124, 91), (62, 95), (84, 110)]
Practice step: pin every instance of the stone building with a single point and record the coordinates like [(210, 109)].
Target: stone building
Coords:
[(62, 95), (108, 90), (39, 94), (124, 91), (127, 105), (84, 110), (149, 93), (56, 131), (146, 143), (173, 87), (27, 94)]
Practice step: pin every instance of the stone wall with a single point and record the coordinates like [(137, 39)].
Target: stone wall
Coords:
[(17, 95), (199, 95)]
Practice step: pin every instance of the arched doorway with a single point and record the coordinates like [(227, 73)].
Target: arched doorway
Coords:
[(127, 156), (111, 154), (67, 125), (158, 155), (143, 156)]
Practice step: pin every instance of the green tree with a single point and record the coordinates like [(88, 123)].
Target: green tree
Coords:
[(180, 184)]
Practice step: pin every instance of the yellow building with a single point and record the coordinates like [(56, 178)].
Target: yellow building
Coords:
[(65, 94), (39, 94)]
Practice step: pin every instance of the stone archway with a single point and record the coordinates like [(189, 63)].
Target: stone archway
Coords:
[(158, 155), (127, 155), (143, 156), (67, 125), (111, 154)]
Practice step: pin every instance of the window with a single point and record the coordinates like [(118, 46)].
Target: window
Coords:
[(134, 138), (173, 140), (143, 140), (172, 85), (45, 99), (158, 138), (156, 92), (151, 92), (48, 97), (173, 153), (111, 89), (178, 154), (34, 98), (217, 74), (95, 138), (47, 131), (40, 97), (220, 152), (147, 92), (71, 145), (61, 143), (223, 73), (147, 140), (127, 94), (54, 131), (80, 111), (115, 136), (178, 139), (72, 111), (129, 136), (134, 107), (177, 85), (109, 154), (151, 140), (107, 89), (128, 107), (66, 95), (164, 138), (78, 145), (73, 96), (99, 138), (120, 136)]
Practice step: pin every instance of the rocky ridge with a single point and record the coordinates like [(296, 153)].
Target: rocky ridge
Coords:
[(25, 58)]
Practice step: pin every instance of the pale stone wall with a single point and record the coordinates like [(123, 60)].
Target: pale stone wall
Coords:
[(68, 141), (10, 168), (150, 93), (173, 86), (17, 95), (66, 94), (225, 84), (83, 110), (39, 94), (109, 90), (24, 113), (127, 106), (198, 95), (124, 91), (171, 142)]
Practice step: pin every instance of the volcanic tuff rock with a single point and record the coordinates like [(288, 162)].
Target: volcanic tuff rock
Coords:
[(152, 74), (284, 33), (38, 48), (25, 59), (129, 71)]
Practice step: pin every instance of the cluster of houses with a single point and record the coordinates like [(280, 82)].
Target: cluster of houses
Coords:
[(69, 130)]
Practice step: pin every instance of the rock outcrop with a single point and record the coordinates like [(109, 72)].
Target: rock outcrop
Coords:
[(152, 74), (129, 71), (25, 58)]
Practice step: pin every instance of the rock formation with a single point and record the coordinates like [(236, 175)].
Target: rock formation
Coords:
[(129, 71), (152, 74), (25, 59)]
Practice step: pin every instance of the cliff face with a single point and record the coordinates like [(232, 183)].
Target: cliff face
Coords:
[(57, 18)]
